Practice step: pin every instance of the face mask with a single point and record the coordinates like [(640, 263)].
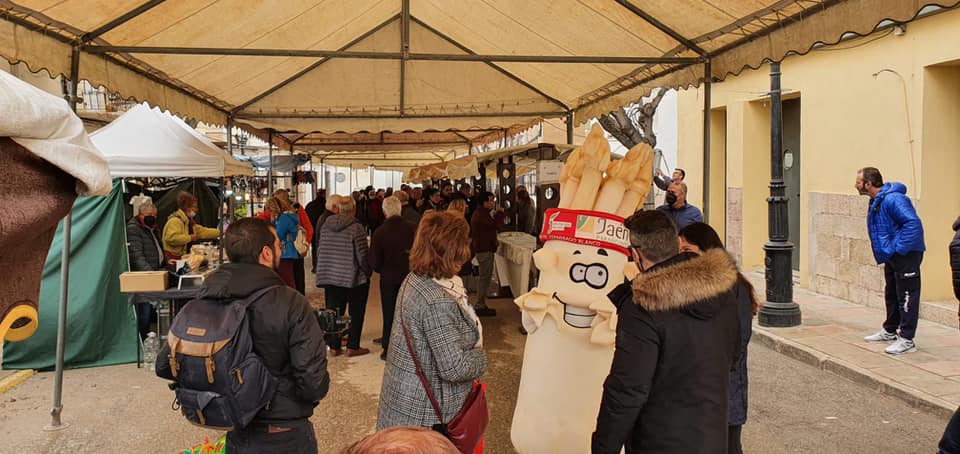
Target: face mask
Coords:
[(671, 198), (150, 220)]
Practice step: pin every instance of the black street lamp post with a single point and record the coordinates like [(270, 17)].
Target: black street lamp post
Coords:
[(779, 310)]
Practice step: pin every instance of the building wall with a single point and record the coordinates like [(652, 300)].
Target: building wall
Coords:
[(887, 101)]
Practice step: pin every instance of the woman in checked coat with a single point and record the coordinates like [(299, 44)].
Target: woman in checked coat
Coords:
[(443, 331)]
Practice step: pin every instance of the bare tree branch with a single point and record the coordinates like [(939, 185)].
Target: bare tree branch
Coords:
[(619, 126), (634, 124)]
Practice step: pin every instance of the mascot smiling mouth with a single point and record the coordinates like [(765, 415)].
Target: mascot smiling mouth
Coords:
[(576, 316)]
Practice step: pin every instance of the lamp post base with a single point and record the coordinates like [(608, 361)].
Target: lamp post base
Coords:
[(779, 310), (779, 315)]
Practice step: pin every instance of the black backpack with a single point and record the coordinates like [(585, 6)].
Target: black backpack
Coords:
[(219, 382)]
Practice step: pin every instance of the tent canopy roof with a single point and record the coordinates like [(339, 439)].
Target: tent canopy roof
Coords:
[(145, 142), (417, 65)]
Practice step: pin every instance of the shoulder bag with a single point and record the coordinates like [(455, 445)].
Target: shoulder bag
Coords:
[(466, 429)]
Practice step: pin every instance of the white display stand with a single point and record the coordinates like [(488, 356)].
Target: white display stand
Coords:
[(513, 260)]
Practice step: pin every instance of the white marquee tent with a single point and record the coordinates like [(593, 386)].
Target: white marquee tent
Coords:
[(145, 142)]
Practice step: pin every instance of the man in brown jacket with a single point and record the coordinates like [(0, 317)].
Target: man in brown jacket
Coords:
[(484, 225)]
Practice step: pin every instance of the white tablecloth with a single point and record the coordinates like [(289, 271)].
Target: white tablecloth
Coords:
[(513, 260)]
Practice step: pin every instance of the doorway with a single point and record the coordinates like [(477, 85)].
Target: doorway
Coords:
[(791, 172)]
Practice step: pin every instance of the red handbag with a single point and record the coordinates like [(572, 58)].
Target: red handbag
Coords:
[(466, 429)]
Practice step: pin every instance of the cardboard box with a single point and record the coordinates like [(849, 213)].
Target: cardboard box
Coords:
[(143, 281)]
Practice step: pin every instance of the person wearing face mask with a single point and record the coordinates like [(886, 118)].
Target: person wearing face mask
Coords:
[(145, 253), (181, 228), (676, 207)]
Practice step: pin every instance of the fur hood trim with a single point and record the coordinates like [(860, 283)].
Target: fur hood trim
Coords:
[(691, 281)]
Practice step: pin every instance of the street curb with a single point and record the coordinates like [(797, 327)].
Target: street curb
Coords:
[(856, 374), (12, 380)]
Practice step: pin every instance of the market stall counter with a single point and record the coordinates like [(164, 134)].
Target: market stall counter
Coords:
[(177, 297), (514, 259), (184, 287)]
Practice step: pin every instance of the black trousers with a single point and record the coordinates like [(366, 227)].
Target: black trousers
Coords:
[(354, 300), (299, 277), (388, 301), (950, 441), (144, 317), (902, 293), (733, 440), (294, 437)]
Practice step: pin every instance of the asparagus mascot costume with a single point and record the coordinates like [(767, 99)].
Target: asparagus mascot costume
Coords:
[(571, 324)]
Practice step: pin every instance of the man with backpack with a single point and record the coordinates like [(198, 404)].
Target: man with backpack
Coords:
[(248, 355)]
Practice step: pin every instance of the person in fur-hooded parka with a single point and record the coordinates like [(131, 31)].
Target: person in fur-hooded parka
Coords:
[(677, 339)]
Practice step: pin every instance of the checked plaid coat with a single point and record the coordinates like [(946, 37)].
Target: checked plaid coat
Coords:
[(443, 338)]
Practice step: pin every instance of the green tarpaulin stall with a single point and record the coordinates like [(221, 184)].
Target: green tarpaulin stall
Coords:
[(100, 324)]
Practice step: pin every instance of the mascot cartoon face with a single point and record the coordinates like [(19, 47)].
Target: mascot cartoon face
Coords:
[(583, 259)]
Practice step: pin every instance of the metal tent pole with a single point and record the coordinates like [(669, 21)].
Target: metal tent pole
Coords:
[(570, 127), (706, 141), (230, 135), (223, 188), (270, 164), (55, 422), (779, 310)]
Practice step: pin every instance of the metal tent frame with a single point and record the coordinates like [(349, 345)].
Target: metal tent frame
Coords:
[(653, 69)]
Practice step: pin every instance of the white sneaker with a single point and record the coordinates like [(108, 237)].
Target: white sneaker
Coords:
[(881, 336), (901, 346)]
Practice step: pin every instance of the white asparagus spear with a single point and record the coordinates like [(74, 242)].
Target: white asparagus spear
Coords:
[(570, 178), (620, 175), (596, 158), (640, 186)]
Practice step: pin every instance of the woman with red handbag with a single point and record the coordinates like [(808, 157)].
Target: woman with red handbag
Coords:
[(436, 357)]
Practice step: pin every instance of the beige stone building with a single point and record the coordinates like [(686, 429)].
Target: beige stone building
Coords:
[(889, 100)]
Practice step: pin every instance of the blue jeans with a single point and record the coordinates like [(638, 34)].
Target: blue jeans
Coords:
[(293, 437)]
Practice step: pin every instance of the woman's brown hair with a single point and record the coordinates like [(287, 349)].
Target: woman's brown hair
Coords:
[(442, 245)]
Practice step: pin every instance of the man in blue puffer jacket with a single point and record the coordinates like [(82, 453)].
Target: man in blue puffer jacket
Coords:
[(896, 235)]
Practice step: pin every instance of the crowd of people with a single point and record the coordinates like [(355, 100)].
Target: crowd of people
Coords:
[(684, 322)]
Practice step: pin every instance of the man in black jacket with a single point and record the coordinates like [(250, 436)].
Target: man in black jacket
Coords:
[(950, 441), (390, 256), (286, 336), (677, 339), (316, 206), (146, 254)]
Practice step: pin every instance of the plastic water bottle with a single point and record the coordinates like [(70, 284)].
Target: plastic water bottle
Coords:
[(151, 347)]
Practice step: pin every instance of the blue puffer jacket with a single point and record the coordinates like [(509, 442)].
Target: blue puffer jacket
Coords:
[(893, 224), (287, 232)]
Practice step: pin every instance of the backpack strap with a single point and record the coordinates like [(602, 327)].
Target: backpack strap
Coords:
[(246, 302)]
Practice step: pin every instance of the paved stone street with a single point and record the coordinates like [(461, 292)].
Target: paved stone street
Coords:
[(831, 338), (793, 407)]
